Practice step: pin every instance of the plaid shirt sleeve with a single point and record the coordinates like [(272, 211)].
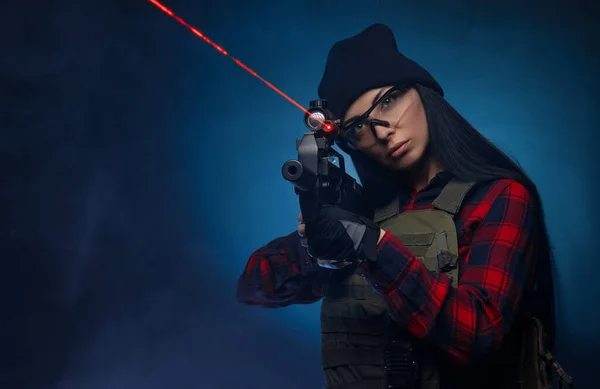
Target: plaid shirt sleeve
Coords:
[(468, 321), (280, 274)]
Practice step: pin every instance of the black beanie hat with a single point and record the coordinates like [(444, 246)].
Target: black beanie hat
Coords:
[(366, 61)]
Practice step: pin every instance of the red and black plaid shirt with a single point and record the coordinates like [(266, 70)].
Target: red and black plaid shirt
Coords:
[(495, 228)]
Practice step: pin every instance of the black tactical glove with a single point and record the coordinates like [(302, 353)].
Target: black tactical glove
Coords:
[(338, 238)]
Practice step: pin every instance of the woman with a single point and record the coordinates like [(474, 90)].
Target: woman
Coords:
[(407, 143)]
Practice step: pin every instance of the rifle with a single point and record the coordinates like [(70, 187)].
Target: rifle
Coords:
[(319, 174)]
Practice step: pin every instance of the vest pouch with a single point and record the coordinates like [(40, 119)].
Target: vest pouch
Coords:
[(537, 362), (431, 236), (354, 332)]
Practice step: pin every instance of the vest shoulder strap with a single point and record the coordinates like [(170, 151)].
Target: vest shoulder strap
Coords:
[(449, 200), (452, 196), (387, 211)]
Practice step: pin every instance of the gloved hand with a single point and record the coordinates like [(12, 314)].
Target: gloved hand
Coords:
[(339, 237)]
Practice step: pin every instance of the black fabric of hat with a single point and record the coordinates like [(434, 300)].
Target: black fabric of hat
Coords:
[(366, 61)]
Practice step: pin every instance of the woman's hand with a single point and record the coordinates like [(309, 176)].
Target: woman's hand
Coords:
[(339, 235), (302, 231)]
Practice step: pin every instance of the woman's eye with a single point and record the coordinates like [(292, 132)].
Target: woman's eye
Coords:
[(388, 101), (356, 130)]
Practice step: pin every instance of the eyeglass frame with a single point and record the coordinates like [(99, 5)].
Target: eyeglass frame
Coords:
[(365, 117)]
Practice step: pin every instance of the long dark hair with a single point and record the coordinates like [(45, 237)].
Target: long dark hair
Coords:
[(465, 153)]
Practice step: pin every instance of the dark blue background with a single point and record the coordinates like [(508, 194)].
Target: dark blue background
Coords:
[(140, 168)]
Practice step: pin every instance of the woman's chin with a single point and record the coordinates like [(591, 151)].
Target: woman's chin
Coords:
[(405, 162)]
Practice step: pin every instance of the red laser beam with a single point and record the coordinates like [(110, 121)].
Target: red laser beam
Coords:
[(237, 61)]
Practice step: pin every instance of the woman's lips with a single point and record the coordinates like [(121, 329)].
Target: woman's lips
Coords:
[(398, 149)]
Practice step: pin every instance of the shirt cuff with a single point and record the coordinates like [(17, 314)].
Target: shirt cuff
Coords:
[(392, 264)]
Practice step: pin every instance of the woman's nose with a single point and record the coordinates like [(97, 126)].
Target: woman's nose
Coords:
[(381, 129)]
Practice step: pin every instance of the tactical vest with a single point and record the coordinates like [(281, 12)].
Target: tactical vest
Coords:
[(361, 349)]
